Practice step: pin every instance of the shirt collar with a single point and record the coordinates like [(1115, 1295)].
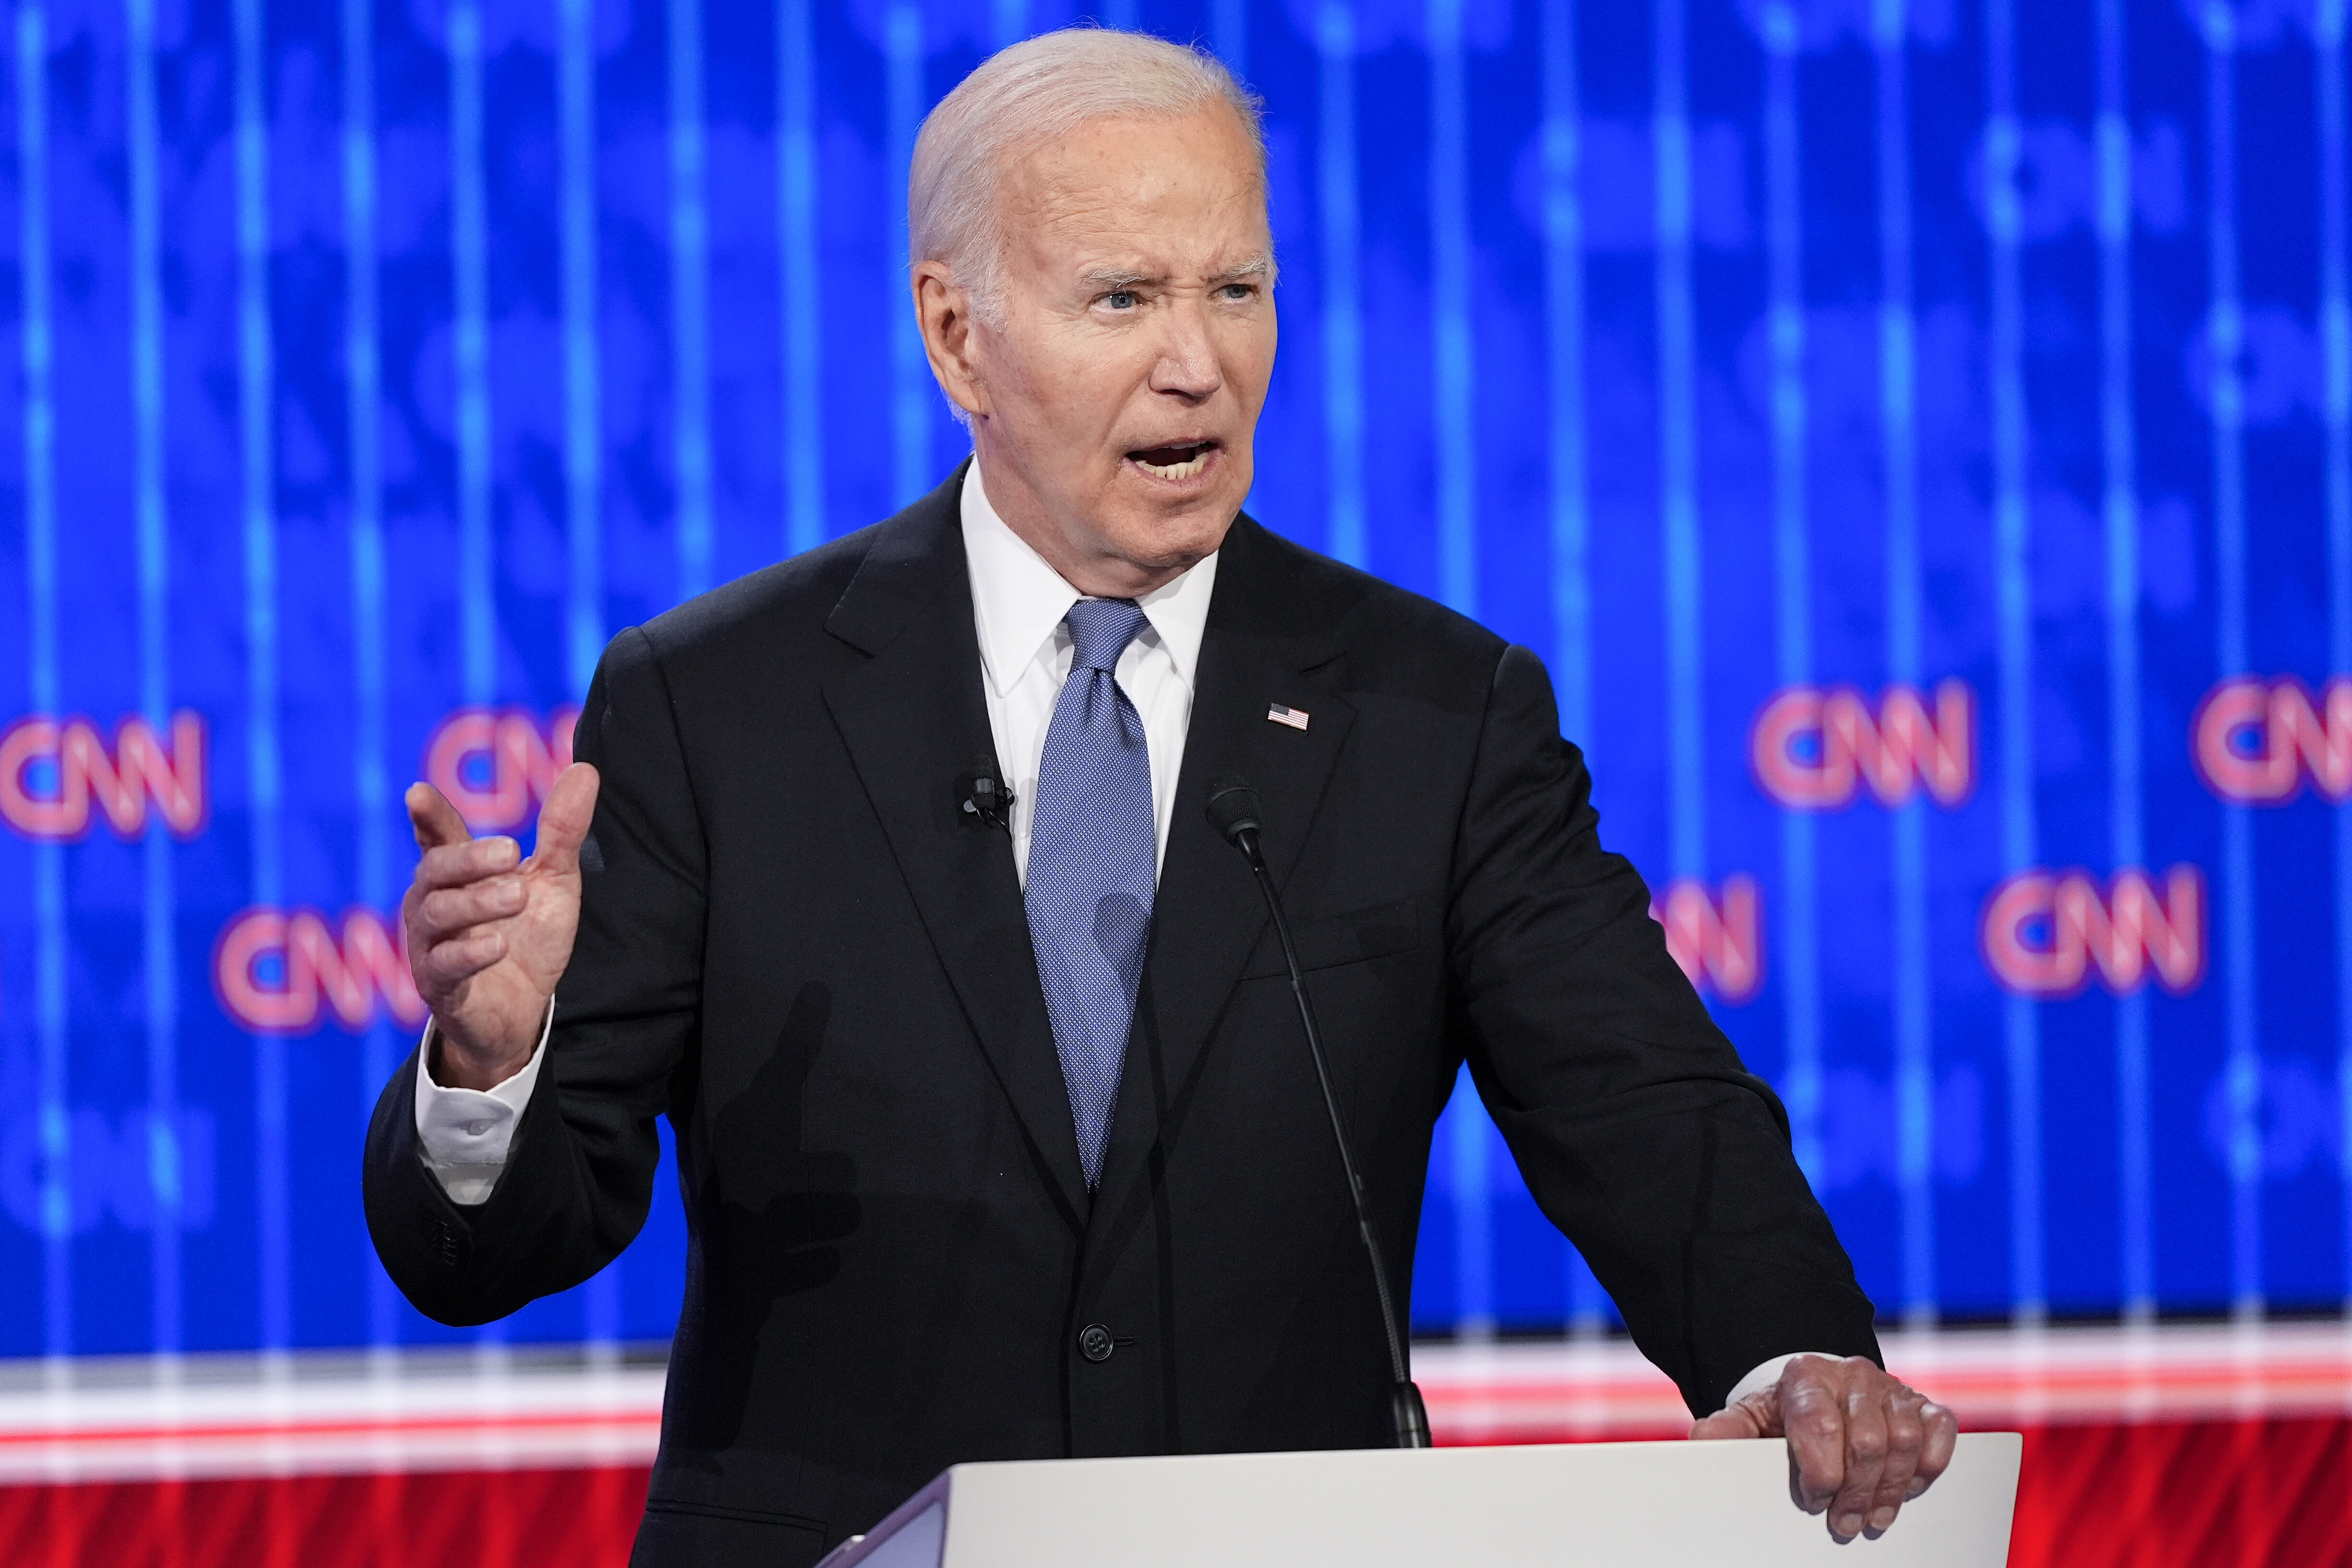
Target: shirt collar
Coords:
[(1018, 600)]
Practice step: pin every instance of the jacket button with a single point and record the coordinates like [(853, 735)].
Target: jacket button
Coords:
[(1094, 1342)]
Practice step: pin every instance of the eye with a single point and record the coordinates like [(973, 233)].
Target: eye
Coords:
[(1120, 299), (1237, 291)]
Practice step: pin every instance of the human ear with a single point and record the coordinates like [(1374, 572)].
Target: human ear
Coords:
[(943, 312)]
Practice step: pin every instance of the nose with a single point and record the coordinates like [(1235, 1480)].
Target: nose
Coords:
[(1187, 366)]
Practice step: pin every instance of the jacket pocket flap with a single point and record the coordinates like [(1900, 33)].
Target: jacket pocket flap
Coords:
[(1327, 941)]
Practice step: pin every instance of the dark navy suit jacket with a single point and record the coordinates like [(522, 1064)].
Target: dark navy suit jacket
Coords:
[(796, 945)]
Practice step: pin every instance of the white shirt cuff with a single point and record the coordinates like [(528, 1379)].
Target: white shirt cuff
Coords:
[(465, 1133), (1766, 1373)]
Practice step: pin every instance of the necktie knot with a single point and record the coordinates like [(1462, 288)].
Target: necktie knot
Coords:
[(1100, 630)]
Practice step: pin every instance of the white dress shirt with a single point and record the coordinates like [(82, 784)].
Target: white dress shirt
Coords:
[(1017, 606), (1018, 603)]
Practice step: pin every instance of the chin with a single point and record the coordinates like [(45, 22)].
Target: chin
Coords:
[(1185, 539)]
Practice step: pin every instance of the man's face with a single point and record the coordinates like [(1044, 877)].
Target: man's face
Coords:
[(1115, 401)]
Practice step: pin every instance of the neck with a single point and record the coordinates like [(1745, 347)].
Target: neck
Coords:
[(1095, 573)]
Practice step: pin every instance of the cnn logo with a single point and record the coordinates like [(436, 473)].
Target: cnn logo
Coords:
[(2045, 933), (53, 771), (1717, 938), (497, 765), (2258, 741), (1817, 749), (280, 971)]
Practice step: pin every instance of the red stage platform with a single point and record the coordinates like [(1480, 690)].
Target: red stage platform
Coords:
[(2151, 1448)]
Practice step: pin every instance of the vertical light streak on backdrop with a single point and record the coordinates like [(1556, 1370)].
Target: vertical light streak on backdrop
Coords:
[(470, 261), (264, 766), (1229, 34), (1469, 1133), (1799, 932), (37, 356), (1897, 412), (689, 299), (2119, 510), (1571, 517), (2335, 350), (1343, 313), (371, 794), (1449, 280), (584, 446), (1008, 21), (2226, 342), (1457, 568), (1678, 440), (796, 258), (583, 617), (470, 344), (910, 379), (2013, 567), (158, 896)]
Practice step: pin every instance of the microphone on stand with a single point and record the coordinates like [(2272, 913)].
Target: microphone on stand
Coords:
[(1233, 813)]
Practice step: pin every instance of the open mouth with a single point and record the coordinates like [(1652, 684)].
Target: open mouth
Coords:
[(1183, 462)]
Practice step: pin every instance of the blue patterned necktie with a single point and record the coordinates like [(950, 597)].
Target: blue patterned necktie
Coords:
[(1093, 869)]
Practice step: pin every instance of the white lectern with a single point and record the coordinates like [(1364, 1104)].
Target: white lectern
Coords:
[(1592, 1505)]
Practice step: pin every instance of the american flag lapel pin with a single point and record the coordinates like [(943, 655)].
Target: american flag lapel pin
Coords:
[(1294, 717)]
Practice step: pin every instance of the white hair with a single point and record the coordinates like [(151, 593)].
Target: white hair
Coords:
[(1029, 94)]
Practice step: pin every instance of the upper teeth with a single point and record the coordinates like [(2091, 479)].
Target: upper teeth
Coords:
[(1183, 470)]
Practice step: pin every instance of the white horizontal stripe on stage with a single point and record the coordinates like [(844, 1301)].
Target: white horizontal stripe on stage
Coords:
[(197, 1416)]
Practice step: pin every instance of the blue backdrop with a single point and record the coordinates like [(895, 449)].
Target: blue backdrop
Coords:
[(1914, 432)]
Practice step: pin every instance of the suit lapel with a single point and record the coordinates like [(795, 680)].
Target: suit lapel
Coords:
[(1261, 646), (911, 716)]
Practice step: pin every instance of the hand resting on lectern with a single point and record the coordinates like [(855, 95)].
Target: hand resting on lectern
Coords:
[(1862, 1443)]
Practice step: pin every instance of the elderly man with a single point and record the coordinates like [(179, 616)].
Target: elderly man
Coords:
[(996, 1133)]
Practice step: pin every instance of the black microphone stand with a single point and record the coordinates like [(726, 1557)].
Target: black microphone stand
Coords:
[(1234, 812)]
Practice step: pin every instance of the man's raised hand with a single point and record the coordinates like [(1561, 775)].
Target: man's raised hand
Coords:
[(488, 934), (1861, 1444)]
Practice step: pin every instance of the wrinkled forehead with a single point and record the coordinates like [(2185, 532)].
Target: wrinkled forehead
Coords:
[(1184, 194)]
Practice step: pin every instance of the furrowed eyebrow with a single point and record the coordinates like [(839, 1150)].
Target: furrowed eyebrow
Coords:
[(1116, 278)]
